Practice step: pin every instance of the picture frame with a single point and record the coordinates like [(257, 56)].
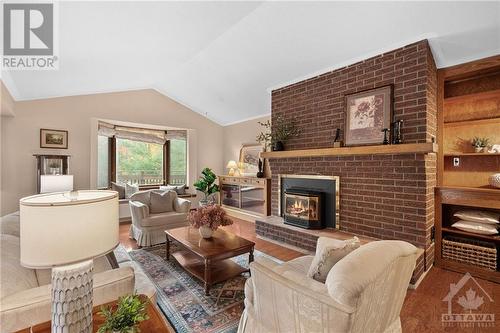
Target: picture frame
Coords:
[(367, 113), (54, 139), (249, 159)]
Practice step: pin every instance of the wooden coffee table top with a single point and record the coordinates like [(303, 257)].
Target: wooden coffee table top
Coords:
[(222, 242)]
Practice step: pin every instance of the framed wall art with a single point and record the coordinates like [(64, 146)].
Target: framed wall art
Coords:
[(50, 138), (249, 159), (367, 114)]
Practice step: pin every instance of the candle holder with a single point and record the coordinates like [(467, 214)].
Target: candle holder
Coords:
[(336, 142), (397, 132), (386, 137)]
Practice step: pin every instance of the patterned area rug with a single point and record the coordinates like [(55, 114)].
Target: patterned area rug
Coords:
[(182, 298)]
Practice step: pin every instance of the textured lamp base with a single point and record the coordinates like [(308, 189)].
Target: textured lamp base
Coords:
[(72, 288)]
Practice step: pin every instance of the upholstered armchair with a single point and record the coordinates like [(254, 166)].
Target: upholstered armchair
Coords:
[(153, 212), (364, 292)]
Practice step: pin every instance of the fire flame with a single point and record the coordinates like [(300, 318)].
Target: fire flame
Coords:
[(297, 207)]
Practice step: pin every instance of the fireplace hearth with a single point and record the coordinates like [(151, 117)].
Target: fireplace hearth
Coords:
[(303, 208)]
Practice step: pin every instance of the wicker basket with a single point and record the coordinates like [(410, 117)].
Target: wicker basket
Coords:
[(472, 252)]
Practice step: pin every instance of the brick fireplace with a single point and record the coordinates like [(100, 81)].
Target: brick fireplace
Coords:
[(386, 196)]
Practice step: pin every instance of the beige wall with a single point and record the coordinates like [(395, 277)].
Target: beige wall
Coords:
[(238, 134), (78, 115), (6, 101)]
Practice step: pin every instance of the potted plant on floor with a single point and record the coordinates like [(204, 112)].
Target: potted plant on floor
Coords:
[(207, 219), (125, 316), (206, 185)]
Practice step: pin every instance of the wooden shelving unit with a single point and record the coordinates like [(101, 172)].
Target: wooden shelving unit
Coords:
[(454, 198), (406, 148), (471, 108)]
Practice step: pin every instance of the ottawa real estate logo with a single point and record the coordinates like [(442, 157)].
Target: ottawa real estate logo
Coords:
[(466, 301), (30, 39)]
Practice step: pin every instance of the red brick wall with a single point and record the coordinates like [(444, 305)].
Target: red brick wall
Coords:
[(318, 103), (382, 196)]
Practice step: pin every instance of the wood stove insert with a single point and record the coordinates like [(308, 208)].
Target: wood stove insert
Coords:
[(304, 208)]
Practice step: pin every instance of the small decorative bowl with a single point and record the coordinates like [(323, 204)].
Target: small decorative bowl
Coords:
[(494, 180)]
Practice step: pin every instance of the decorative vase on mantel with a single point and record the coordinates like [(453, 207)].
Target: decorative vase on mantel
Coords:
[(205, 231), (278, 146)]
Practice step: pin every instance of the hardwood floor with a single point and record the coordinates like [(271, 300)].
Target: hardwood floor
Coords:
[(423, 308)]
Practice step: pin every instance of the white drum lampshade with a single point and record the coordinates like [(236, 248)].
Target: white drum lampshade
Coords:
[(65, 231), (56, 183)]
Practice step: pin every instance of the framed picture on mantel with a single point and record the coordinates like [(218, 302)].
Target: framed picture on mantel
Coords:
[(367, 114)]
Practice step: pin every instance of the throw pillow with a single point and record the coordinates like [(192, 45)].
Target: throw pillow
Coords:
[(130, 189), (475, 227), (167, 188), (120, 188), (328, 252), (480, 216), (161, 202), (180, 189)]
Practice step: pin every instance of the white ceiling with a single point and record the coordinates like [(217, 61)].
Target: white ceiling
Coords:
[(221, 58)]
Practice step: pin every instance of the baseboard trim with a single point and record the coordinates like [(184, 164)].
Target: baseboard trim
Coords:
[(415, 285), (241, 215)]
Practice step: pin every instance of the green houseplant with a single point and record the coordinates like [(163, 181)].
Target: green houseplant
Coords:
[(479, 143), (206, 185), (129, 312), (279, 133)]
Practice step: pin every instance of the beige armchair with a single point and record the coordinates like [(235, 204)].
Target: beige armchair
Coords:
[(364, 292), (150, 218)]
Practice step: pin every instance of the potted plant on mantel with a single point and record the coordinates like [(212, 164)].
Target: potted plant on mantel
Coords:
[(278, 134), (206, 185), (207, 219), (125, 316)]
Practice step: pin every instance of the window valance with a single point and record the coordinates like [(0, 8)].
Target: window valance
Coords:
[(140, 134)]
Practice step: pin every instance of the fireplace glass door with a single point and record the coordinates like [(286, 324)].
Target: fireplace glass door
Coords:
[(302, 207)]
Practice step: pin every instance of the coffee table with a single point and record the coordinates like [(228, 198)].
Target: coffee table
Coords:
[(209, 259)]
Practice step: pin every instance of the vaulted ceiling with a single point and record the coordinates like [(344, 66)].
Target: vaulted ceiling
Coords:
[(222, 58)]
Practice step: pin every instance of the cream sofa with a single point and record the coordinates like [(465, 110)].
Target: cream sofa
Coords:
[(364, 292), (25, 293), (149, 229)]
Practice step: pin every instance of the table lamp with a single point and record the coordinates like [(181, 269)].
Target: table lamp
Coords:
[(65, 231), (231, 165)]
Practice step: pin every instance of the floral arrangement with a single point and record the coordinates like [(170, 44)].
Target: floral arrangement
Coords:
[(211, 216)]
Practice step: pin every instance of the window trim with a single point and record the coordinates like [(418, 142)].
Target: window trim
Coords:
[(166, 165)]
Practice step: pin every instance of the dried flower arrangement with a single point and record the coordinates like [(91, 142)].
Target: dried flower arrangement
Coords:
[(211, 216)]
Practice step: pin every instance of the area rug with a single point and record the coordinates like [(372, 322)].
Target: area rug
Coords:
[(182, 298)]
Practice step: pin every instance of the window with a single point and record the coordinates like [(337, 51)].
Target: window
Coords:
[(103, 161), (178, 161), (141, 156), (139, 162)]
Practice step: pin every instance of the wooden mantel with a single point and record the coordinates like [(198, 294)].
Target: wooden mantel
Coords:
[(406, 148)]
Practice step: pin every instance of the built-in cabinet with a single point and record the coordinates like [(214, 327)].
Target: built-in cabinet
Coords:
[(468, 106), (248, 195)]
